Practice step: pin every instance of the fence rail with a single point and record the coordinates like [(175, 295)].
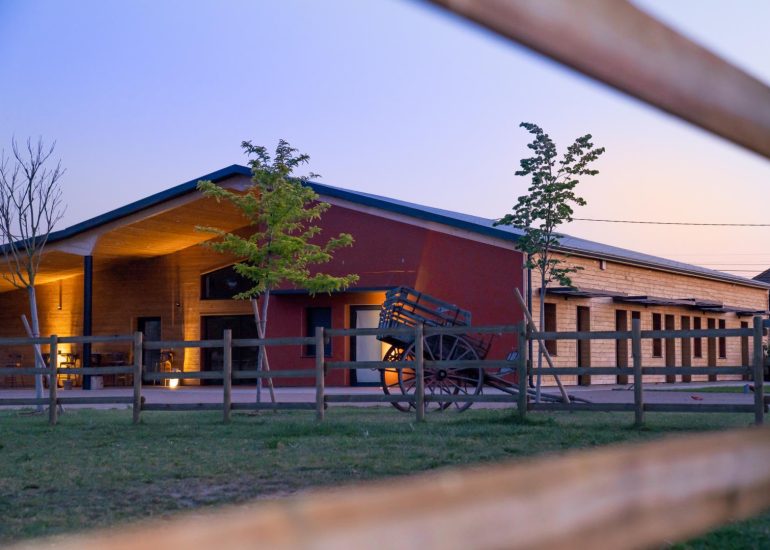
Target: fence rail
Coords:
[(417, 399)]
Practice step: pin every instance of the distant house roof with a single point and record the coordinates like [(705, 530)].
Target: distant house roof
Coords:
[(475, 224), (764, 276)]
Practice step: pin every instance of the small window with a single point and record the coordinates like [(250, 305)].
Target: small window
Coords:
[(722, 341), (550, 326), (697, 343), (318, 317), (657, 343), (223, 284)]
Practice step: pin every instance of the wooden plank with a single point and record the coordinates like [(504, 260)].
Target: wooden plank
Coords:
[(99, 371), (278, 406), (192, 375), (288, 341), (320, 374), (288, 373), (695, 370), (419, 373), (480, 398), (137, 393), (182, 407), (368, 332), (395, 365), (23, 370), (522, 370), (23, 341), (96, 400), (96, 339), (166, 344), (488, 329), (698, 408), (626, 48), (468, 363), (636, 354), (759, 372), (227, 374), (598, 407), (53, 381), (369, 398), (622, 497), (22, 401)]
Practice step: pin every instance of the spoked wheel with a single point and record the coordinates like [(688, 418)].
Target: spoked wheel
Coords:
[(444, 380), (390, 380)]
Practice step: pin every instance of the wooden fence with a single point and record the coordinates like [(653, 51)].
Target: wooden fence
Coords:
[(418, 399)]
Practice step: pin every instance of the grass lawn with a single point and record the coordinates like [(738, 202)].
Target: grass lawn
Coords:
[(96, 469)]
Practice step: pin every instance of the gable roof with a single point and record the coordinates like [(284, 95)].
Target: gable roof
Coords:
[(474, 224), (763, 277)]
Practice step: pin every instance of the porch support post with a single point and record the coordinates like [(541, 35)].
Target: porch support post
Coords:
[(88, 276)]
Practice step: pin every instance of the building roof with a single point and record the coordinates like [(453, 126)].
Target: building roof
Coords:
[(475, 224), (764, 276)]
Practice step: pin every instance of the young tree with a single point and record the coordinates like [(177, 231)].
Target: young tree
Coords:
[(285, 244), (30, 206), (546, 206)]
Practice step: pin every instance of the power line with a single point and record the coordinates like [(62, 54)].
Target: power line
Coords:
[(673, 223)]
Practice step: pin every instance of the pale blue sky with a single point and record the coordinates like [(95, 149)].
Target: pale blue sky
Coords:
[(387, 96)]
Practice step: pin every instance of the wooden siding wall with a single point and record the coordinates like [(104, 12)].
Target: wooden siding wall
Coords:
[(639, 281)]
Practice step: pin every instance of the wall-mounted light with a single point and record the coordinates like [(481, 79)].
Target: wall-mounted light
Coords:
[(60, 296)]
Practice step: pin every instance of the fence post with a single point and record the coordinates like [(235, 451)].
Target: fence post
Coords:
[(319, 373), (138, 352), (419, 372), (759, 373), (523, 402), (227, 374), (636, 353), (53, 380)]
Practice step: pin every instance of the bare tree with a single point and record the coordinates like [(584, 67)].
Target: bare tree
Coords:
[(30, 206)]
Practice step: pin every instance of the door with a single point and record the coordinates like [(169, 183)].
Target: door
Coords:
[(621, 345), (365, 348), (670, 324), (242, 326), (584, 346), (150, 327), (686, 349), (711, 349)]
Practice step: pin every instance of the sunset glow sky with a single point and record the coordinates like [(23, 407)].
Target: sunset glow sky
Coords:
[(391, 97)]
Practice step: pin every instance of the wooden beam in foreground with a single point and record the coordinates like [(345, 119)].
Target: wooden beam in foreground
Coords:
[(629, 496), (620, 45)]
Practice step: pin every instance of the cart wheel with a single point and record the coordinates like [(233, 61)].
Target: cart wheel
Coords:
[(445, 380), (390, 380)]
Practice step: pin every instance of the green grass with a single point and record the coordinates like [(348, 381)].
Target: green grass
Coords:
[(96, 469)]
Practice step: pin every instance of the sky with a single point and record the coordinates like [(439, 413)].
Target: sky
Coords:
[(393, 97)]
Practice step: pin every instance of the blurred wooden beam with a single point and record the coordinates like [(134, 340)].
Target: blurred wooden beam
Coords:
[(624, 47), (627, 496)]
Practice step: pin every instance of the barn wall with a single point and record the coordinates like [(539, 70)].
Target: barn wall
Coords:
[(640, 281)]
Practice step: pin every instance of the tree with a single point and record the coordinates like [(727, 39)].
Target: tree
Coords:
[(285, 245), (30, 206), (546, 206)]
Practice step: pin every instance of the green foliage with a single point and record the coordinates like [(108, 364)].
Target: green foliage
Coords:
[(549, 201), (281, 209)]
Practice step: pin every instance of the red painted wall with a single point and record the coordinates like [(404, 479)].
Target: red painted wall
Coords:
[(475, 276)]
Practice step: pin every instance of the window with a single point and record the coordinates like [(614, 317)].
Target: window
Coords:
[(550, 326), (697, 343), (657, 343), (223, 284), (317, 317), (722, 341), (745, 361)]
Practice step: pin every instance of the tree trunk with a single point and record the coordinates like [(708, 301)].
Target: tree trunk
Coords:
[(36, 334), (540, 346), (262, 362)]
